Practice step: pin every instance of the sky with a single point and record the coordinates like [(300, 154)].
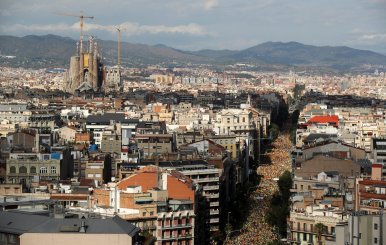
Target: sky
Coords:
[(205, 24)]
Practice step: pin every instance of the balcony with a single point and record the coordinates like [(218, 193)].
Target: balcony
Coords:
[(179, 237), (174, 227), (372, 195), (136, 216), (215, 220), (214, 228), (328, 236), (214, 204), (203, 180), (212, 195), (200, 171), (210, 187)]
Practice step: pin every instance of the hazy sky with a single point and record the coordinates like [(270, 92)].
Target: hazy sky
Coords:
[(201, 24)]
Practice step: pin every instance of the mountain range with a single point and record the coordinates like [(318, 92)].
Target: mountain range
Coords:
[(52, 51)]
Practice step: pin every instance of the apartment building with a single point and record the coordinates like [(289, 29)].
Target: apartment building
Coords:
[(365, 228), (208, 178), (20, 228), (99, 167), (230, 120), (161, 203), (111, 141), (302, 224), (378, 152), (370, 195), (26, 168), (96, 123), (152, 139)]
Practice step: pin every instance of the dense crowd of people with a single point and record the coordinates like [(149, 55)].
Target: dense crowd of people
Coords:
[(256, 230)]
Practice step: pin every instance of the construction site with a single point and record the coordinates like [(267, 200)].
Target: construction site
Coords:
[(87, 72)]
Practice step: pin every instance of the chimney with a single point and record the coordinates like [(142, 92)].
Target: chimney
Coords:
[(82, 227)]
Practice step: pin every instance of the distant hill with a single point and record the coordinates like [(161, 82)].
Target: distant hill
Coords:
[(50, 51), (293, 53)]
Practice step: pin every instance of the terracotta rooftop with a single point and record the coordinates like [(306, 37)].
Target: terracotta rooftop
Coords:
[(324, 119)]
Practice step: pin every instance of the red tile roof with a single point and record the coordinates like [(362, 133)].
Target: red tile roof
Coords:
[(177, 188), (324, 119)]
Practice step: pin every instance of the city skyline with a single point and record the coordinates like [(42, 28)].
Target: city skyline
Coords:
[(207, 24)]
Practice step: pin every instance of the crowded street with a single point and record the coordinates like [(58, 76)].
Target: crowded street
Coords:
[(256, 230)]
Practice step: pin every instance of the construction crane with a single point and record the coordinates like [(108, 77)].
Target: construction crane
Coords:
[(119, 29), (81, 17)]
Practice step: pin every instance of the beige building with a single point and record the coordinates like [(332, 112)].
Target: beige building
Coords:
[(94, 169), (28, 229), (25, 168), (159, 78), (302, 224), (66, 238), (67, 134), (10, 189), (230, 120), (226, 141), (112, 140)]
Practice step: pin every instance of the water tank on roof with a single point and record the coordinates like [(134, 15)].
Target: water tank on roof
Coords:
[(93, 147), (55, 155)]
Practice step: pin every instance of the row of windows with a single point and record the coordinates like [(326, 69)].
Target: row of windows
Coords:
[(237, 120), (23, 170)]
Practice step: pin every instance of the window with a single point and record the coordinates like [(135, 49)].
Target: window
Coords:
[(304, 237), (375, 240), (53, 170), (12, 169), (43, 170), (333, 230), (143, 213), (22, 170), (304, 227), (32, 170), (3, 237), (12, 238), (375, 226)]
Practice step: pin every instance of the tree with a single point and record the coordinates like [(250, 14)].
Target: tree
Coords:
[(279, 209), (276, 242), (285, 184), (148, 237), (274, 131), (319, 230)]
